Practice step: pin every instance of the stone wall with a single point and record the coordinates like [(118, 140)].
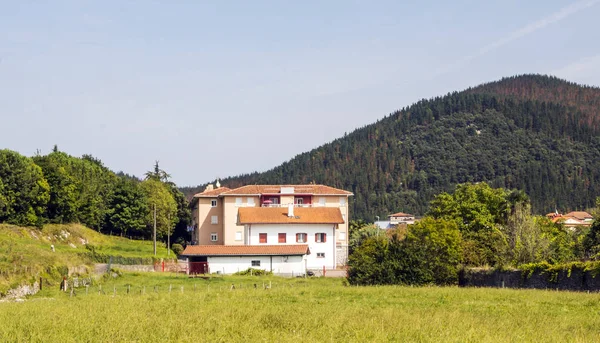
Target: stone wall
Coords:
[(576, 280), (100, 268)]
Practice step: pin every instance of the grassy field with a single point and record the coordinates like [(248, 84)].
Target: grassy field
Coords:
[(25, 253), (293, 310)]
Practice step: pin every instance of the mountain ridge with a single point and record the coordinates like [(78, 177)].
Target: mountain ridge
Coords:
[(511, 133)]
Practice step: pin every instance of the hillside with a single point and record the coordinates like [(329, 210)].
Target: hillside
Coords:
[(531, 132), (25, 253)]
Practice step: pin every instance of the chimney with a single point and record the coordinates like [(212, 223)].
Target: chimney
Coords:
[(290, 210), (209, 187)]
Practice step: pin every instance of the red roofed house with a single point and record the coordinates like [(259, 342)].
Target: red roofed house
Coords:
[(572, 219), (286, 229), (401, 218)]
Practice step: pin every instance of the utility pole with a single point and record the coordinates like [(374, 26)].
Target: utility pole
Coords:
[(169, 236), (154, 229)]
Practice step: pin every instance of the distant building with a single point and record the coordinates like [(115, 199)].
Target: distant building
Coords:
[(572, 219), (401, 218), (395, 219)]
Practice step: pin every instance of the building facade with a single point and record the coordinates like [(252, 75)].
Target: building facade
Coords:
[(258, 215)]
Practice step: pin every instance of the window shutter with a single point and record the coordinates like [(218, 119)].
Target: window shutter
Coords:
[(324, 237), (316, 237)]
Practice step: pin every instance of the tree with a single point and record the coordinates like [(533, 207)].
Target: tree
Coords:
[(184, 215), (62, 206), (429, 252), (359, 232), (367, 263), (157, 174), (128, 208), (24, 192), (159, 196), (424, 253), (591, 242), (527, 242), (480, 213)]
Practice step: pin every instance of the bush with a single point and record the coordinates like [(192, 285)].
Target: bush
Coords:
[(424, 253), (255, 272), (177, 248)]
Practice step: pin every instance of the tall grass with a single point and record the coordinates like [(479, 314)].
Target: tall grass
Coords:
[(292, 310)]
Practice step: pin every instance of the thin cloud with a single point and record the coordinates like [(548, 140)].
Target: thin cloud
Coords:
[(583, 68), (524, 31)]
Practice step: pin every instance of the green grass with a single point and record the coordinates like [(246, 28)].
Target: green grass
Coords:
[(25, 253), (306, 310)]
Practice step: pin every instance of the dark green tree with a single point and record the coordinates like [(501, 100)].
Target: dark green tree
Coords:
[(63, 206), (24, 192), (129, 209)]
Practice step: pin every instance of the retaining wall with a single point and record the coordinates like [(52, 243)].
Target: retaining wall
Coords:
[(100, 268)]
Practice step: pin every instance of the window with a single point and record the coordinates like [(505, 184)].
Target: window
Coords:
[(238, 202), (299, 201), (213, 237), (320, 255), (274, 201), (281, 237), (255, 263), (262, 238), (238, 236), (320, 237), (214, 219), (213, 203), (251, 202), (342, 236), (342, 201), (300, 238), (321, 201)]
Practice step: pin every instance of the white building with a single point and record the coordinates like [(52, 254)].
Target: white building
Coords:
[(284, 240)]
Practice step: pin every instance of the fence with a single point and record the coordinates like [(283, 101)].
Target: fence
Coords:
[(82, 289)]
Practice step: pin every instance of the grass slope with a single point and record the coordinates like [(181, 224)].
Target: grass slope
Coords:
[(313, 310), (25, 253)]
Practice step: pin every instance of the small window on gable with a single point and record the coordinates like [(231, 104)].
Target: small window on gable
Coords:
[(262, 238), (214, 219), (213, 203), (255, 263), (213, 237), (320, 255), (320, 237), (282, 237), (238, 236)]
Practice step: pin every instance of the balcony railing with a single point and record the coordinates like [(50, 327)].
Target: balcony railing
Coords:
[(298, 205)]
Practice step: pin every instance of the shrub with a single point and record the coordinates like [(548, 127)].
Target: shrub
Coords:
[(177, 248), (424, 253), (255, 272)]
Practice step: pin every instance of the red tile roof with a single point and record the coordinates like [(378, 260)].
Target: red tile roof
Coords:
[(400, 214), (244, 250), (279, 215), (276, 189), (212, 193), (581, 215)]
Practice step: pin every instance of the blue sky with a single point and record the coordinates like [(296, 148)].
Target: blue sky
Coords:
[(219, 89)]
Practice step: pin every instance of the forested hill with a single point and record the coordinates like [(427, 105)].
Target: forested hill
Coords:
[(534, 133)]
